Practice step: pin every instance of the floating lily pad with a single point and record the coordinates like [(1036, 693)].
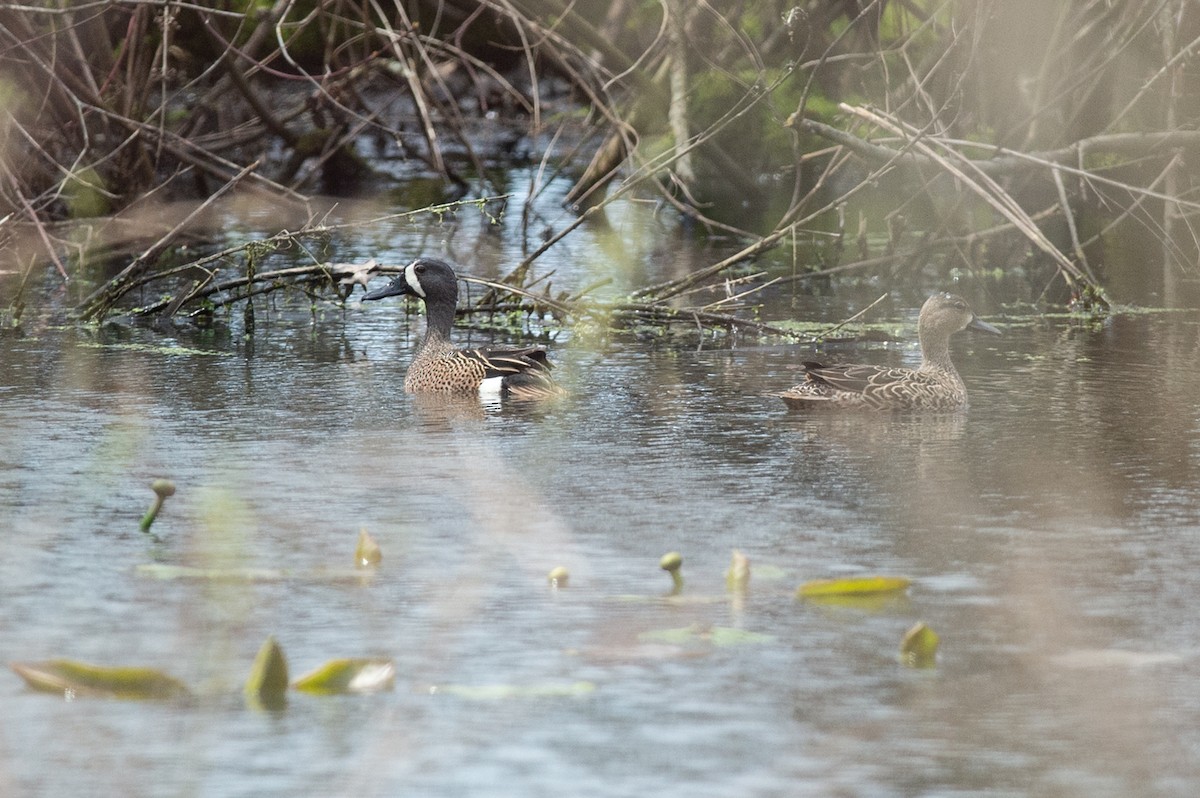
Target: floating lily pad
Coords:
[(853, 586), (73, 679), (357, 675), (165, 571), (715, 635), (495, 692)]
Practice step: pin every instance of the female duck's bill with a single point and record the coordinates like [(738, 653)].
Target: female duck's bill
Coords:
[(438, 367), (934, 386)]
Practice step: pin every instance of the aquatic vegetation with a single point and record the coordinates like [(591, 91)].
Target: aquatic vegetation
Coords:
[(558, 576), (918, 648), (267, 684), (351, 675), (737, 578), (853, 586), (367, 553), (163, 488), (672, 562), (74, 679)]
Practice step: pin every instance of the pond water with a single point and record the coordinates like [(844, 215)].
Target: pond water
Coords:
[(1052, 534)]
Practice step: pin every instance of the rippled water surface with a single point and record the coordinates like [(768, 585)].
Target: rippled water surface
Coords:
[(1053, 536)]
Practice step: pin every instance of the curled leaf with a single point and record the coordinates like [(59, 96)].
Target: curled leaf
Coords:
[(918, 648), (73, 678), (356, 675), (268, 680), (737, 578), (853, 586), (367, 553)]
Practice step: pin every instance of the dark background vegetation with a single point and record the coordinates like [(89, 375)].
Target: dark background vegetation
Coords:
[(981, 135)]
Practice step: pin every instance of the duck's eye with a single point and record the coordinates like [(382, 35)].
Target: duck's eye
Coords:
[(419, 268)]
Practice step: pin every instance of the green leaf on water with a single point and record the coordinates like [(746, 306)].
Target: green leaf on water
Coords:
[(727, 636), (853, 586), (354, 675), (73, 678), (676, 637), (156, 570), (268, 681), (919, 647)]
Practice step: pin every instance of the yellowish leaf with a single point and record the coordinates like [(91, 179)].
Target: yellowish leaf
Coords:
[(356, 675), (919, 647), (268, 681), (73, 678), (367, 552), (855, 585), (737, 578)]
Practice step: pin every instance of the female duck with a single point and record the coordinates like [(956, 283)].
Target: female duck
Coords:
[(439, 367), (934, 386)]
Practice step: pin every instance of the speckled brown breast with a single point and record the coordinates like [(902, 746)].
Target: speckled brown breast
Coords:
[(438, 367)]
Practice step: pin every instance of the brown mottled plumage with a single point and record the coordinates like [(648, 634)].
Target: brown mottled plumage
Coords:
[(437, 366), (934, 386)]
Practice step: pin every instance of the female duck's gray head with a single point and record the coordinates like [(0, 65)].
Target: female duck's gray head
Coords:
[(428, 278), (947, 314)]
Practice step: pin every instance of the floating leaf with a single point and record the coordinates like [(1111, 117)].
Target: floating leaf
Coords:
[(558, 576), (80, 678), (157, 570), (677, 637), (919, 647), (769, 572), (737, 578), (494, 692), (268, 681), (717, 635), (358, 675), (727, 636), (367, 552), (853, 586)]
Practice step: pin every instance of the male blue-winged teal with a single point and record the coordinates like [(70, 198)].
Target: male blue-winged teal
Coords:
[(438, 367), (934, 386)]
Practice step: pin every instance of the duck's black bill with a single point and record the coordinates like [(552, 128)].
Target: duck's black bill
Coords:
[(396, 287), (982, 326)]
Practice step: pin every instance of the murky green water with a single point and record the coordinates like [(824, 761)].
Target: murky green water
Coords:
[(1053, 535)]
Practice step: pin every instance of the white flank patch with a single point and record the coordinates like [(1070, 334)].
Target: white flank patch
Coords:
[(410, 277), (490, 387)]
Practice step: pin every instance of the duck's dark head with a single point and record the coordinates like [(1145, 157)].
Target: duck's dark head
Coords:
[(430, 279)]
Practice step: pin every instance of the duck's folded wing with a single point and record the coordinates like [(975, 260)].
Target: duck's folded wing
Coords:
[(854, 378), (505, 362)]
